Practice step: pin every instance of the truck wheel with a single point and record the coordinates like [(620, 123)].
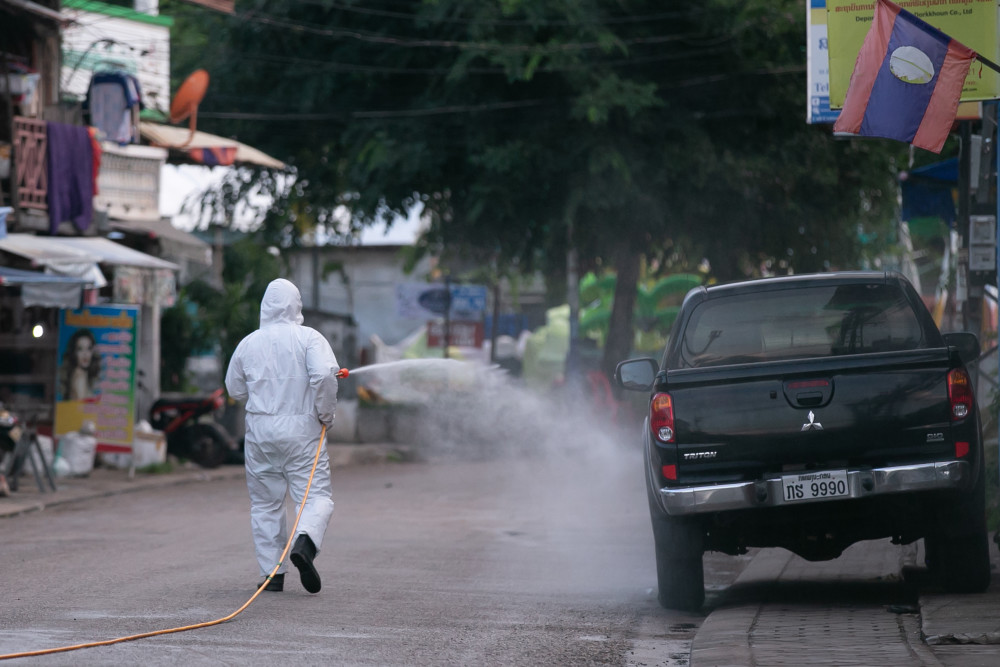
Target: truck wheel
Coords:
[(680, 581), (961, 564), (680, 574), (960, 558)]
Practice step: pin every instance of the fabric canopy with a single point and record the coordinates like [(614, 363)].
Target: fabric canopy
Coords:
[(205, 148), (109, 252), (42, 289), (55, 257), (929, 191)]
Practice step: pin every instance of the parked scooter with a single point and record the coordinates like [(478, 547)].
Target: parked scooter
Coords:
[(190, 434), (19, 450), (10, 435)]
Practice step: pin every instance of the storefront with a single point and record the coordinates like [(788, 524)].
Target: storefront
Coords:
[(29, 309), (107, 274)]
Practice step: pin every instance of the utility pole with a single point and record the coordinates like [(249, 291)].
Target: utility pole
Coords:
[(573, 298), (447, 315)]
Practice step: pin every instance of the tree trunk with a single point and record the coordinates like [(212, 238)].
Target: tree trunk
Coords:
[(621, 328)]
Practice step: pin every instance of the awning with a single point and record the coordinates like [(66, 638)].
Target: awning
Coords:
[(205, 148), (929, 191), (78, 256), (63, 260), (42, 289)]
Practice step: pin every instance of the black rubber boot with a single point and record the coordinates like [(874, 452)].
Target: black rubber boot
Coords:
[(303, 553), (277, 583)]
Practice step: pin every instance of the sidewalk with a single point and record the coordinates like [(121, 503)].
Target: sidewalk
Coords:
[(783, 610), (964, 630), (112, 481)]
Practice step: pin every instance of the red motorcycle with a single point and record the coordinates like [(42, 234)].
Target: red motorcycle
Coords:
[(190, 434)]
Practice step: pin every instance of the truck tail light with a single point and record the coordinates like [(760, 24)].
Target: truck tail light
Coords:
[(961, 450), (661, 417), (960, 394), (670, 472)]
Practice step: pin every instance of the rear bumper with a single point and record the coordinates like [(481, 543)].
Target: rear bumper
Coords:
[(861, 484)]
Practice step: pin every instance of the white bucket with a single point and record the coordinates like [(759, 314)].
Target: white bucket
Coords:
[(148, 448)]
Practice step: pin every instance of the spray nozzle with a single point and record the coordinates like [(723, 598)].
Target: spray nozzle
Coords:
[(342, 373)]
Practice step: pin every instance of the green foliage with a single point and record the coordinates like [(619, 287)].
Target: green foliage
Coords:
[(179, 341), (640, 121), (164, 468), (209, 318), (627, 128), (656, 306)]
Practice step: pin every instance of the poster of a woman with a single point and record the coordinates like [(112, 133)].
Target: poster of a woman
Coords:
[(81, 367), (97, 371)]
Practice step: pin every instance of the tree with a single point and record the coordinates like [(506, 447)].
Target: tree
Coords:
[(212, 318), (639, 124)]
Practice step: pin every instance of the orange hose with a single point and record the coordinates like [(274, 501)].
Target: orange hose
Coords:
[(143, 635)]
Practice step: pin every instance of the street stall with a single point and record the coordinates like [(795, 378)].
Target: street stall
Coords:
[(29, 306), (122, 318)]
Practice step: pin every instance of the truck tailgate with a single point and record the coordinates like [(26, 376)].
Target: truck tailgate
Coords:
[(735, 423)]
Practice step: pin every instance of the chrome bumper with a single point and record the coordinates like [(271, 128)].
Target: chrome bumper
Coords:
[(861, 484)]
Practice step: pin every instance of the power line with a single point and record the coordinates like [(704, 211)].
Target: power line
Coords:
[(617, 20), (404, 113), (376, 69), (407, 42), (472, 108)]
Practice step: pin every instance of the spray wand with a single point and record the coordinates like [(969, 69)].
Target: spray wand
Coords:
[(342, 373)]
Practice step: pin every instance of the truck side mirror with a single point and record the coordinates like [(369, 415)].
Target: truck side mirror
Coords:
[(966, 343), (636, 374)]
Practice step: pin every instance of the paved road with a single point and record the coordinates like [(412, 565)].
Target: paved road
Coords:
[(502, 562), (513, 562)]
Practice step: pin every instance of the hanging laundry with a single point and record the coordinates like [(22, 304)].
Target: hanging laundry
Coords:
[(95, 146), (70, 170), (21, 83), (113, 101)]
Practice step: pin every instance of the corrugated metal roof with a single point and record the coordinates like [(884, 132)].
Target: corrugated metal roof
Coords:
[(159, 229), (55, 250)]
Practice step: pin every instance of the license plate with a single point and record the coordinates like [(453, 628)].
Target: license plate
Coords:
[(815, 485)]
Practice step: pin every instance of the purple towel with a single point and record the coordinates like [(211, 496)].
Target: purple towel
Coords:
[(70, 169)]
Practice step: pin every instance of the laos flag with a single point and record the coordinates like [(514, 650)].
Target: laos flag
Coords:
[(907, 81)]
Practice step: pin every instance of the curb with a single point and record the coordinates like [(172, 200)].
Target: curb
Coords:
[(104, 482)]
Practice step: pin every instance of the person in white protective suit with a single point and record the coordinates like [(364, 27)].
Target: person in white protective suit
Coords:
[(286, 373)]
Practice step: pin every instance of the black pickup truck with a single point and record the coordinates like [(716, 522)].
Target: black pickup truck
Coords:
[(811, 412)]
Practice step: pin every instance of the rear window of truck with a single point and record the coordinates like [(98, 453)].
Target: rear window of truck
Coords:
[(800, 322)]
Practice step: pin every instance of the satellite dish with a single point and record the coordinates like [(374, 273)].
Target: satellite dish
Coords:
[(187, 99)]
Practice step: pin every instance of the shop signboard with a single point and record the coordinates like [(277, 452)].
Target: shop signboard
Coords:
[(971, 22), (818, 70), (96, 377), (421, 300), (461, 333)]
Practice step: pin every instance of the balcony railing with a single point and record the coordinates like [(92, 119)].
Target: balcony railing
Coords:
[(30, 180), (128, 181)]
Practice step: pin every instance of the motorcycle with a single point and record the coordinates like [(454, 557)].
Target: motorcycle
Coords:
[(189, 434), (10, 435)]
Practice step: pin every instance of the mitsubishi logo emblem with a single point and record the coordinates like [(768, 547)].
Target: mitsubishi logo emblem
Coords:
[(812, 424)]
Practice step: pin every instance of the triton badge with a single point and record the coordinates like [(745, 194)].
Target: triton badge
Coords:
[(812, 424)]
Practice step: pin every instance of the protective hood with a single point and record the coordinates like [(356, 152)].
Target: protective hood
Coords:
[(282, 304)]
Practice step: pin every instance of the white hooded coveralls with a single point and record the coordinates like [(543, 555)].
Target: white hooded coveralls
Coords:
[(286, 373)]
